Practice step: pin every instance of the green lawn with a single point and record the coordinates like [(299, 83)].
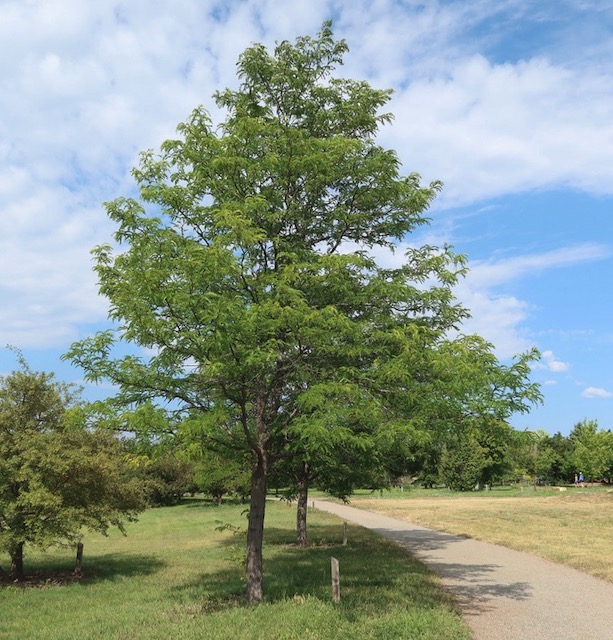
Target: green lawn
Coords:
[(179, 574)]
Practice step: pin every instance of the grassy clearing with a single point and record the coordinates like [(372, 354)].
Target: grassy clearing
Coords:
[(176, 576), (573, 527)]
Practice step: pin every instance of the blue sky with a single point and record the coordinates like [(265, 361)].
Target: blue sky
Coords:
[(509, 103)]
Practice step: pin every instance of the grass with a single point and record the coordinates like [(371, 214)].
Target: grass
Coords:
[(573, 527), (177, 575)]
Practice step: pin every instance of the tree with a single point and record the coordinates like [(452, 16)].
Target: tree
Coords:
[(533, 454), (591, 450), (461, 397), (166, 478), (218, 475), (56, 476), (336, 443), (248, 264), (562, 469), (462, 464)]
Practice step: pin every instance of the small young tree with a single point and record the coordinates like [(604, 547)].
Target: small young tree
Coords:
[(336, 445), (56, 477)]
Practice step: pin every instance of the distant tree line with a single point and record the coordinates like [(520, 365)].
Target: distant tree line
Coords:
[(495, 454), (502, 455)]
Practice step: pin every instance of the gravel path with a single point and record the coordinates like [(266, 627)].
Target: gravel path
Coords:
[(502, 594)]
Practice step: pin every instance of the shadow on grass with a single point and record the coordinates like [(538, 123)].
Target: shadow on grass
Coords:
[(203, 503), (112, 566), (56, 572), (376, 575)]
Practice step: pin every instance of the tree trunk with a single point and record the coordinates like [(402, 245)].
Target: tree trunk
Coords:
[(255, 531), (79, 558), (301, 510), (17, 561)]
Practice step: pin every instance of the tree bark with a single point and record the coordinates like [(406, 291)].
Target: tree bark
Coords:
[(301, 510), (17, 561), (255, 530), (79, 558)]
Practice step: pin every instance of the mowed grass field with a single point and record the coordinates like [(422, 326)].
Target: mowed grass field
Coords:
[(572, 527), (179, 574)]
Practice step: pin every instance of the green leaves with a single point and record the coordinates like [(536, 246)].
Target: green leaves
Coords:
[(247, 285), (56, 476), (249, 271)]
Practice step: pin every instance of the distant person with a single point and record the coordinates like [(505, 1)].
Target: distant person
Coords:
[(581, 479), (576, 479)]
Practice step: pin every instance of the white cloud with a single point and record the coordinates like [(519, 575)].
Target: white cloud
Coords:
[(550, 363), (488, 129), (86, 85), (496, 271), (596, 392), (500, 316)]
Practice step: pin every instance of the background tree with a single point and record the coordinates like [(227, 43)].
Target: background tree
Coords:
[(562, 469), (166, 477), (56, 476), (591, 453), (248, 263), (218, 474), (608, 456), (461, 398), (532, 455), (462, 463)]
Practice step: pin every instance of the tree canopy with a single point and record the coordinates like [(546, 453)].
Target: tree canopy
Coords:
[(56, 476)]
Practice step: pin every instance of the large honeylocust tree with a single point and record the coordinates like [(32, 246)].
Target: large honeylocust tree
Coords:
[(246, 268)]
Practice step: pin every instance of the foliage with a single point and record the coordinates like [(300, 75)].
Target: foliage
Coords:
[(562, 468), (464, 398), (533, 456), (56, 477), (592, 452), (218, 475), (462, 466), (248, 268), (166, 478)]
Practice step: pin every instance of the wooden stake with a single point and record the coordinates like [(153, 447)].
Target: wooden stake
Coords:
[(336, 581), (345, 530)]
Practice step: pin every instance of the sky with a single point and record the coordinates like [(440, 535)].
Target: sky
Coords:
[(509, 103)]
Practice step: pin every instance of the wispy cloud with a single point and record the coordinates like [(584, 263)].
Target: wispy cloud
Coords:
[(496, 271), (499, 316), (596, 392), (85, 85)]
